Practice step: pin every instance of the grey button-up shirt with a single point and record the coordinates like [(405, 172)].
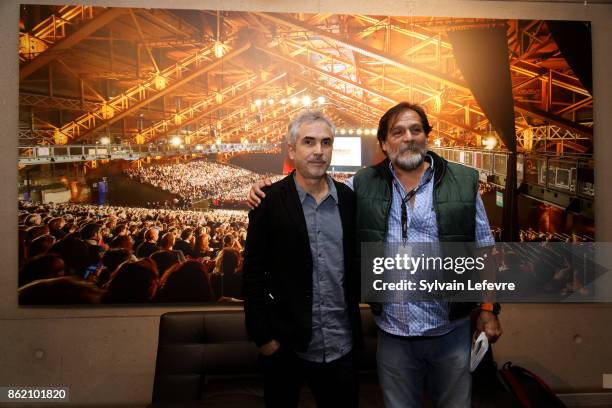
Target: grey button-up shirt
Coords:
[(331, 330)]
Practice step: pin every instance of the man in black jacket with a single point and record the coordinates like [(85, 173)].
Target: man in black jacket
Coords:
[(149, 245), (185, 243), (301, 289)]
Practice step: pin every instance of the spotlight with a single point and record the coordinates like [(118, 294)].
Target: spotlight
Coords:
[(321, 100), (270, 101), (175, 141), (294, 101), (490, 142), (306, 101), (258, 102), (351, 131), (359, 131), (159, 82), (219, 49)]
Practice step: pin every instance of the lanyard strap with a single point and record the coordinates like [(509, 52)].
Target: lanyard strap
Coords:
[(405, 200)]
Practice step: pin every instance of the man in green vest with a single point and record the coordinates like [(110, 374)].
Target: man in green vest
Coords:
[(416, 196)]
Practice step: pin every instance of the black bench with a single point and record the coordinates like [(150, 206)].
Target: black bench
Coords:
[(204, 359)]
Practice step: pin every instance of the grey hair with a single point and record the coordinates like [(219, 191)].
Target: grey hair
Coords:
[(307, 116)]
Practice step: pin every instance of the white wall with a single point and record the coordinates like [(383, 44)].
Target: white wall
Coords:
[(107, 355)]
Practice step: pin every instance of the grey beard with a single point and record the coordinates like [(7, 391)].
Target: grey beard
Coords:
[(412, 161)]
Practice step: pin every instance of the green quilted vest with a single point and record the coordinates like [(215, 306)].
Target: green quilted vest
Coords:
[(454, 202)]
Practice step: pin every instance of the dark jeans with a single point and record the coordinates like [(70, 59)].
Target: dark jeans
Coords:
[(333, 384), (441, 362)]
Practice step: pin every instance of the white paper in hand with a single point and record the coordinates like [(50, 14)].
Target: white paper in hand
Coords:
[(479, 348)]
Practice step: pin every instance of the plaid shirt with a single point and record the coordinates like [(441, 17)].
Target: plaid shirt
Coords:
[(422, 318)]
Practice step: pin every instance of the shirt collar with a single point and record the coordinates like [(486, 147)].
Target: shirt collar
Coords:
[(330, 184)]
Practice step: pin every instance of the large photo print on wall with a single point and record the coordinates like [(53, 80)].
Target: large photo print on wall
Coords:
[(141, 132)]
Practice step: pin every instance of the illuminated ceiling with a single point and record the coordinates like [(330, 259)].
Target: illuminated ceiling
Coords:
[(146, 75)]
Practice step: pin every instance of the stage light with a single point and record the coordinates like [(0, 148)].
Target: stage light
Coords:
[(374, 131), (175, 141), (258, 102), (218, 141), (359, 132), (490, 142), (294, 101), (199, 147), (366, 132), (59, 137), (321, 100), (284, 101), (219, 49), (351, 131), (270, 101), (306, 101), (343, 131), (159, 82), (105, 140)]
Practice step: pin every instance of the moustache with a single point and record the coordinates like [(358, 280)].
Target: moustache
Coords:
[(412, 147)]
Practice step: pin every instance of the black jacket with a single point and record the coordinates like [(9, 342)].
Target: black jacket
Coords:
[(186, 247), (145, 249), (277, 271)]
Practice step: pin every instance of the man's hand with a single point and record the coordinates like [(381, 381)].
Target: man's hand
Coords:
[(256, 194), (489, 323), (269, 348)]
